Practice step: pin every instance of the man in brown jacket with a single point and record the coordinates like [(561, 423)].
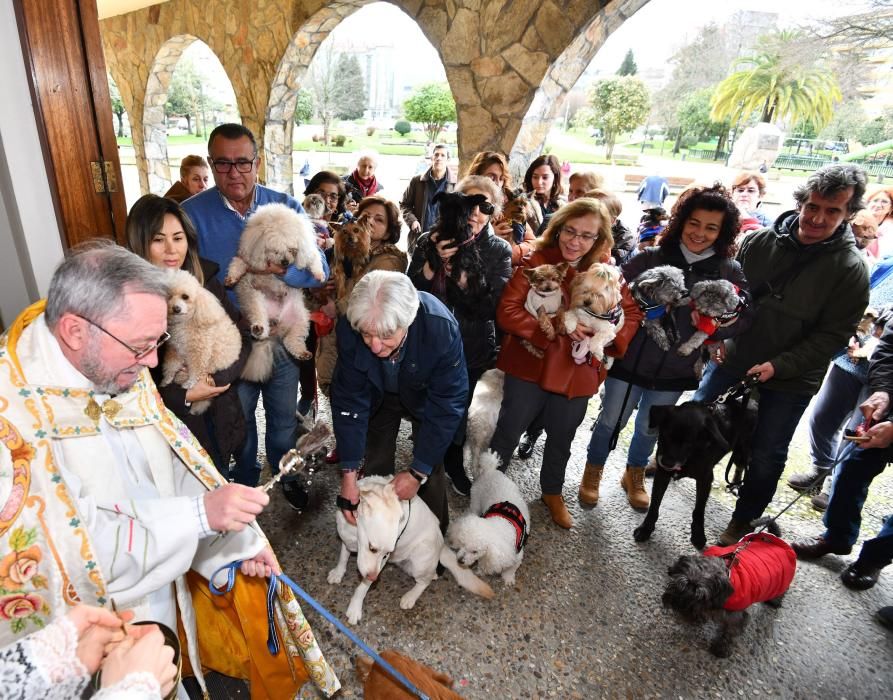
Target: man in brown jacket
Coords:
[(418, 209)]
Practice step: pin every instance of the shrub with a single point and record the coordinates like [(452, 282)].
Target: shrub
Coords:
[(370, 130), (339, 140), (403, 127), (315, 138)]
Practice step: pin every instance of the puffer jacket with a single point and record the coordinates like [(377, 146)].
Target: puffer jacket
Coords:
[(556, 371), (761, 571), (800, 325), (645, 364), (478, 327)]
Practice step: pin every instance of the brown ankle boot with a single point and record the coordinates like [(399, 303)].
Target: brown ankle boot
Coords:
[(558, 511), (633, 482), (592, 477)]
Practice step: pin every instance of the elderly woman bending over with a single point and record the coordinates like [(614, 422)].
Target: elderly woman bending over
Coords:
[(554, 387)]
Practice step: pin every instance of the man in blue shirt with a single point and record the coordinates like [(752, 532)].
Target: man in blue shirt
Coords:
[(219, 215)]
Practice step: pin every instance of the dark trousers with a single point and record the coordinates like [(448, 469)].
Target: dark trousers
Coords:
[(843, 518), (453, 458), (381, 449), (522, 402)]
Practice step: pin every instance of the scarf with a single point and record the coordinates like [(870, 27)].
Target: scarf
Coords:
[(366, 187)]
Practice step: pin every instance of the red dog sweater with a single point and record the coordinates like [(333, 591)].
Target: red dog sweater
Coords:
[(761, 571)]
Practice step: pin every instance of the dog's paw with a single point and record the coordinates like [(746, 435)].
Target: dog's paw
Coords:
[(335, 575), (721, 648), (509, 579), (642, 533), (407, 602), (306, 355), (354, 613), (259, 331)]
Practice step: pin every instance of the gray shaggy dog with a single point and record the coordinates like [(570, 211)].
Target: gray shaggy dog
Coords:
[(659, 287), (716, 301)]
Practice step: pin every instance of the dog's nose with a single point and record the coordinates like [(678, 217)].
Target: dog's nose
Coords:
[(372, 576)]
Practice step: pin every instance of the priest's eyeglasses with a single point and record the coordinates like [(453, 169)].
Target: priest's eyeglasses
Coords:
[(138, 353)]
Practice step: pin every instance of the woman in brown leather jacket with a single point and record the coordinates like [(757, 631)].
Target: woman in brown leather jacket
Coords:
[(554, 386)]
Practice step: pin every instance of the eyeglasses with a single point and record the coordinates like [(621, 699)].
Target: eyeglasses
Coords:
[(570, 234), (328, 195), (138, 354), (223, 166)]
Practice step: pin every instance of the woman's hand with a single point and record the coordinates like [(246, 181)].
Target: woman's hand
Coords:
[(143, 650), (97, 628), (204, 389), (504, 230), (445, 249), (581, 332)]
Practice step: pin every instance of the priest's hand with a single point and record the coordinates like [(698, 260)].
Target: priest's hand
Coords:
[(263, 565), (232, 507)]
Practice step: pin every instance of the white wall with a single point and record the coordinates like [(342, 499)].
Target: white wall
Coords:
[(30, 241)]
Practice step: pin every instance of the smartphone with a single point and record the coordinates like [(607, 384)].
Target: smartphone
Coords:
[(857, 438)]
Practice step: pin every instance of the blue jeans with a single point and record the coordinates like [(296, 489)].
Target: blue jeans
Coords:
[(844, 515), (835, 405), (280, 395), (644, 437), (777, 418), (878, 551)]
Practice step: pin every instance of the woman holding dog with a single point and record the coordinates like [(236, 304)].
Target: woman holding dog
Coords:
[(699, 240), (484, 266), (159, 231), (554, 386)]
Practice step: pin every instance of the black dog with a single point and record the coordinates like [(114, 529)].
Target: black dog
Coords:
[(692, 438), (454, 208)]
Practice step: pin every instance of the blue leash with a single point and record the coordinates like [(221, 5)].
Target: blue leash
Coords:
[(273, 637)]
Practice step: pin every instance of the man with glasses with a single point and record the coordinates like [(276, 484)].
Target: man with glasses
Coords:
[(106, 495), (219, 215), (418, 207)]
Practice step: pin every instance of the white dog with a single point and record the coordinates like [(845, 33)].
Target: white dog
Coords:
[(493, 532), (483, 412), (406, 533), (203, 340), (274, 235), (595, 302)]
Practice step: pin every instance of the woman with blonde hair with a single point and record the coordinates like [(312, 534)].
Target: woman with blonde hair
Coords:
[(554, 387), (880, 204)]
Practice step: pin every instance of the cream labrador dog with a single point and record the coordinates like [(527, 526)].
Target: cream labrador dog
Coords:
[(406, 533)]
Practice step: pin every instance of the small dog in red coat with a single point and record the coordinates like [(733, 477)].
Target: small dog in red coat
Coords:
[(725, 581)]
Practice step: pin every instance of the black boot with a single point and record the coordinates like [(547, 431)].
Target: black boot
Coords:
[(455, 470), (809, 482), (525, 447)]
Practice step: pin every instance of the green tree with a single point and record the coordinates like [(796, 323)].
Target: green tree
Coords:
[(876, 130), (186, 96), (619, 105), (847, 123), (433, 106), (303, 106), (350, 91), (779, 84), (628, 67), (693, 117), (117, 106)]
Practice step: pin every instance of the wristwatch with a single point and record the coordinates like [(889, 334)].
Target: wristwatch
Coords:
[(421, 478)]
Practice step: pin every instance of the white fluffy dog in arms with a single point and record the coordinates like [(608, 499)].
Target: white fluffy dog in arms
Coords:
[(203, 340), (493, 532), (595, 302), (483, 412), (406, 533), (274, 235)]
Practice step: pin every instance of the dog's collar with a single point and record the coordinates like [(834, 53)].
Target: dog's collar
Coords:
[(511, 512), (652, 310), (408, 516), (543, 295), (614, 315), (674, 470)]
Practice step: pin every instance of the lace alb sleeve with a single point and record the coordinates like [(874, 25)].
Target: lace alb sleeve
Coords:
[(44, 665), (134, 686)]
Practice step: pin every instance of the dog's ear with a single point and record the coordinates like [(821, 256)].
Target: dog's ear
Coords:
[(712, 428), (562, 269), (529, 273), (335, 226), (656, 415)]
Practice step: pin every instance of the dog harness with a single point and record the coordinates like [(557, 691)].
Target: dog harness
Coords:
[(710, 324), (761, 567), (614, 315), (651, 310), (511, 512)]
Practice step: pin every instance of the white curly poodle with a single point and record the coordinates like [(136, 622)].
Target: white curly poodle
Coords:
[(493, 533)]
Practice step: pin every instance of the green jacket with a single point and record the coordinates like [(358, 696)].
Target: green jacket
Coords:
[(812, 313)]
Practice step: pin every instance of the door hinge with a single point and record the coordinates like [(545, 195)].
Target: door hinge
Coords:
[(100, 179)]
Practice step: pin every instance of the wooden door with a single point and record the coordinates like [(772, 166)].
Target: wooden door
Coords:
[(63, 53)]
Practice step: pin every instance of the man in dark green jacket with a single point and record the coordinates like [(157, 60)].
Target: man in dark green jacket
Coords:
[(810, 287)]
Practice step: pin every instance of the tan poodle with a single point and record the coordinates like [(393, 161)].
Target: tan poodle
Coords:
[(203, 340), (278, 236)]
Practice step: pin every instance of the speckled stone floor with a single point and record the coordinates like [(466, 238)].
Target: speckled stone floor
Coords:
[(584, 619)]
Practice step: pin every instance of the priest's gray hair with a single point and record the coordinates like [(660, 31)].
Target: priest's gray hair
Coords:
[(94, 277), (382, 303)]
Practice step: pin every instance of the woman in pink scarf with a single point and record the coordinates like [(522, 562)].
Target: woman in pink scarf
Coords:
[(361, 183)]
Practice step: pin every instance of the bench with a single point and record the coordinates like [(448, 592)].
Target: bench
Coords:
[(631, 182)]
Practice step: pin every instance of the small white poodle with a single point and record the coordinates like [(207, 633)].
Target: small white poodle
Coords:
[(203, 340), (494, 531), (275, 235)]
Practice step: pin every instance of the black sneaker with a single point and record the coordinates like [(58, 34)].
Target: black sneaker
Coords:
[(460, 483), (295, 494), (885, 617), (525, 447)]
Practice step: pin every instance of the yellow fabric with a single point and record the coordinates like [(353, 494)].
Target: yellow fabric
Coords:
[(225, 623), (18, 327)]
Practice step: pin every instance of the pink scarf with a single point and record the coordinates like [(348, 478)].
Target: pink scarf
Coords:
[(367, 187)]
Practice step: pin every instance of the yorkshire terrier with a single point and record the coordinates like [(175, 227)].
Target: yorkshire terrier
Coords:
[(353, 244), (658, 291), (724, 581), (544, 299), (595, 302), (516, 212)]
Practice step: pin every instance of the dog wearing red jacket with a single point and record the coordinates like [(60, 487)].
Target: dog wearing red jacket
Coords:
[(724, 581)]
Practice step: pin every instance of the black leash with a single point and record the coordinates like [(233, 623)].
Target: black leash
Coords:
[(740, 390)]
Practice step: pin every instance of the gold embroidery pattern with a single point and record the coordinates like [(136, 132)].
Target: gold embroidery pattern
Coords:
[(22, 456), (69, 594)]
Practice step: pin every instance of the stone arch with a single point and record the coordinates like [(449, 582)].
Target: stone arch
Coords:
[(560, 78), (154, 126)]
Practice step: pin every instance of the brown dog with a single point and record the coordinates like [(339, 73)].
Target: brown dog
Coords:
[(518, 211), (353, 242), (378, 684), (544, 299)]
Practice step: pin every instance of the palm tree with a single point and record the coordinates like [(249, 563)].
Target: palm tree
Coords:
[(780, 85)]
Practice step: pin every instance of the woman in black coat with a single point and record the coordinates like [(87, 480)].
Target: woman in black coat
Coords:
[(160, 231)]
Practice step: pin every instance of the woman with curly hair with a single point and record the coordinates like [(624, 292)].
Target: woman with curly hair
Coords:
[(542, 182), (551, 386), (699, 240)]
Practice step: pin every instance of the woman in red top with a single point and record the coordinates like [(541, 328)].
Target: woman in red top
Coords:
[(554, 387)]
